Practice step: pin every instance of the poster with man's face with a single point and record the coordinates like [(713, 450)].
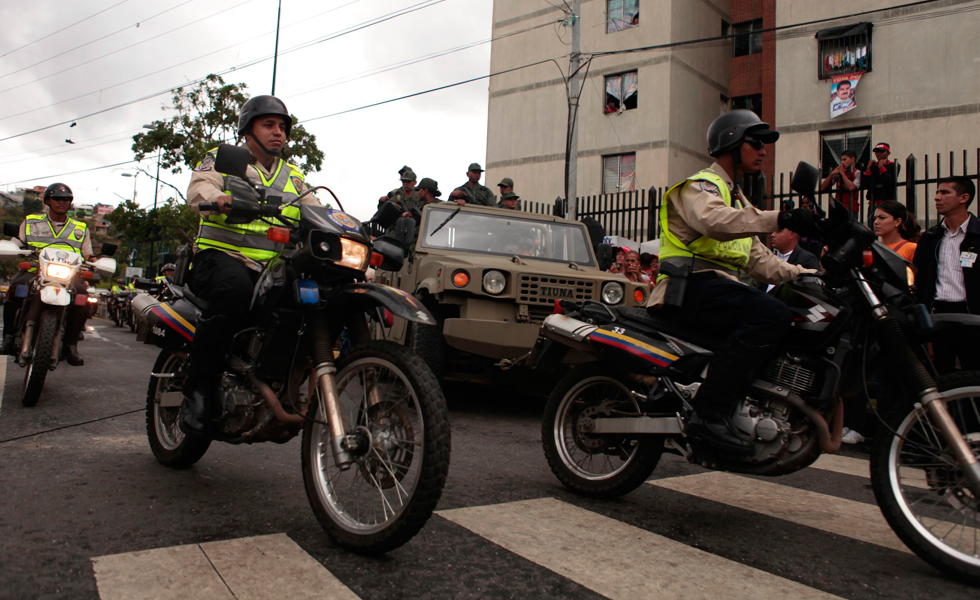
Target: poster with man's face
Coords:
[(842, 93)]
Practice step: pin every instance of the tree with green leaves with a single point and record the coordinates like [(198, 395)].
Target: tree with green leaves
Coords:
[(205, 116)]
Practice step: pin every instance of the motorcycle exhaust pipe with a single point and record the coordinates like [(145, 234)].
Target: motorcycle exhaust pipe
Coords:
[(270, 397)]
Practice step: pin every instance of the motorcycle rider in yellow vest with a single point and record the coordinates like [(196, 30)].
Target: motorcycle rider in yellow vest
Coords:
[(707, 239), (166, 270), (228, 258), (53, 229)]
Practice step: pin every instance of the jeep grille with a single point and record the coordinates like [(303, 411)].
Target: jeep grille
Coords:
[(539, 289)]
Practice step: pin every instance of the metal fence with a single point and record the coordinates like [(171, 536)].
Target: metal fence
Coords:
[(634, 215)]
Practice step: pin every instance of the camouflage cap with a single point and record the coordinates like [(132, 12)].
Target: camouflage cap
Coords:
[(506, 182), (509, 196), (475, 167), (429, 184), (403, 169), (408, 175)]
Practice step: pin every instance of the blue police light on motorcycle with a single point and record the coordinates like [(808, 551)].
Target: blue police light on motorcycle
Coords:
[(307, 291), (21, 291)]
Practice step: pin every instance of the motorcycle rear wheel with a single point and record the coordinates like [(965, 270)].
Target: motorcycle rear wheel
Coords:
[(624, 463), (169, 444), (395, 482), (37, 369), (920, 487)]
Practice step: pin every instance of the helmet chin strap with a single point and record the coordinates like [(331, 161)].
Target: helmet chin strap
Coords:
[(275, 153)]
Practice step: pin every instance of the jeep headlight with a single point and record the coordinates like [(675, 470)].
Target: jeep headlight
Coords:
[(56, 271), (494, 282), (612, 293), (354, 255)]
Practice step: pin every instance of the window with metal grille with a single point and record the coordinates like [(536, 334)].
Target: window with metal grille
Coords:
[(622, 14), (619, 173), (832, 143), (621, 92), (843, 50), (751, 102), (747, 42)]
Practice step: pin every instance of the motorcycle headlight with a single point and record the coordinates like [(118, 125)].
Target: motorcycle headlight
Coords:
[(612, 293), (93, 299), (494, 282), (56, 271), (354, 255)]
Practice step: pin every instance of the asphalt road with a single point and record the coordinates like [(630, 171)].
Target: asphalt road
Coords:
[(86, 512)]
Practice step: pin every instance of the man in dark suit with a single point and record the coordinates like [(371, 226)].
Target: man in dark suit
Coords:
[(786, 244)]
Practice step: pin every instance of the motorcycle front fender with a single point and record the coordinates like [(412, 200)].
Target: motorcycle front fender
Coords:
[(365, 296), (55, 295)]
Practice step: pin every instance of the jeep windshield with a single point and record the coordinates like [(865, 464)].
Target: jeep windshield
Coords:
[(507, 236)]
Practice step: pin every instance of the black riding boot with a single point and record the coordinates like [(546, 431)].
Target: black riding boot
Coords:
[(211, 340), (722, 390)]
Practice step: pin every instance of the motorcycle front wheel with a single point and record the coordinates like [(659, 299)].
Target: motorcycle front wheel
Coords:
[(919, 485), (169, 444), (37, 369), (596, 466), (395, 413)]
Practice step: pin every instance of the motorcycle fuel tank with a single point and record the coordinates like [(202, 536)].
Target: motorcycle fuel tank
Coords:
[(818, 313)]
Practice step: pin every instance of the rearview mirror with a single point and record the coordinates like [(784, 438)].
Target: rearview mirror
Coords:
[(387, 214), (11, 229), (108, 249), (605, 256), (405, 231), (805, 179), (232, 160), (392, 251)]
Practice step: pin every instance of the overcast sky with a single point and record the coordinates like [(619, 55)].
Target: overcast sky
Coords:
[(437, 134)]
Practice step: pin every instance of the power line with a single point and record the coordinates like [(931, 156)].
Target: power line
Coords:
[(74, 148), (92, 60), (108, 35), (62, 29), (118, 164), (61, 145), (331, 36)]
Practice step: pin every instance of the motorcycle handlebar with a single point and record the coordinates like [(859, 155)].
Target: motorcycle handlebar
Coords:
[(264, 210)]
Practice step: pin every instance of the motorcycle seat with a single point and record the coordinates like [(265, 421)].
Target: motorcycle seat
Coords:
[(653, 320)]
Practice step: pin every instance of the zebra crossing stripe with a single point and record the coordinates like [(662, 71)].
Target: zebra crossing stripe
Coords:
[(255, 568), (632, 562), (860, 468), (839, 516)]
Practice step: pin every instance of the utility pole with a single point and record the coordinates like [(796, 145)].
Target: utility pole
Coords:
[(275, 55), (156, 191), (574, 93)]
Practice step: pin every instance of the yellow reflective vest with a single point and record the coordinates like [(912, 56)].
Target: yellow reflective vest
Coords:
[(731, 255), (40, 233), (250, 238)]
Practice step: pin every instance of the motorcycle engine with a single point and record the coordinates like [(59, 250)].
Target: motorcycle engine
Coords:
[(238, 403), (768, 423)]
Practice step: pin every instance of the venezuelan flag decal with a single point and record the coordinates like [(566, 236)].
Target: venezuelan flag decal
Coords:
[(633, 346), (171, 317)]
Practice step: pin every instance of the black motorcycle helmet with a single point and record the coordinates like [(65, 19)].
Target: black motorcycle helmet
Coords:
[(57, 190), (258, 106), (727, 132)]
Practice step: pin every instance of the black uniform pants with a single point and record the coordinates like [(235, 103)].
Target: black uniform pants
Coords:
[(77, 315), (226, 284), (726, 308)]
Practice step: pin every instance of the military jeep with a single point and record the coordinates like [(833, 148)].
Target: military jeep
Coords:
[(490, 276)]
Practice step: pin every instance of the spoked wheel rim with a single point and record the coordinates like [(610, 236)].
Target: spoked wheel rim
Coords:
[(929, 484), (595, 458), (376, 490), (165, 420)]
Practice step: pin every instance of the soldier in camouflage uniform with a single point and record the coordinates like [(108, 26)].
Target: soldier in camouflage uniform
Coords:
[(481, 194), (509, 201), (401, 188), (406, 196)]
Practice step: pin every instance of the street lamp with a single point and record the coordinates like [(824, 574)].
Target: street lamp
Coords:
[(156, 191), (133, 175)]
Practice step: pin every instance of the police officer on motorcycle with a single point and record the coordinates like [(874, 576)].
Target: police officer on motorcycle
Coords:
[(707, 239), (229, 257), (166, 271), (54, 229)]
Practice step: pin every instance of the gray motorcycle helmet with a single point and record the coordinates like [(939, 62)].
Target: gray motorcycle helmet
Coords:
[(262, 105), (728, 131)]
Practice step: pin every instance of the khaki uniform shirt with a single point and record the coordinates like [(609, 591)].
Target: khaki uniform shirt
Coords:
[(207, 185), (695, 212), (407, 203), (481, 193), (87, 251)]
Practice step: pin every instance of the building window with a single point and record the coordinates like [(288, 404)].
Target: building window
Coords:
[(747, 42), (622, 14), (832, 143), (751, 102), (620, 92), (844, 50), (619, 173)]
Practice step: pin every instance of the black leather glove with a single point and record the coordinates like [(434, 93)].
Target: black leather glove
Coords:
[(798, 220)]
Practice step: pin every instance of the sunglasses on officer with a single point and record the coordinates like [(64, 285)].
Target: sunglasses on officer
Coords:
[(756, 144)]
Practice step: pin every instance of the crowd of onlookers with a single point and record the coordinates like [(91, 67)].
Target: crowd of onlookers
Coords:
[(636, 266)]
